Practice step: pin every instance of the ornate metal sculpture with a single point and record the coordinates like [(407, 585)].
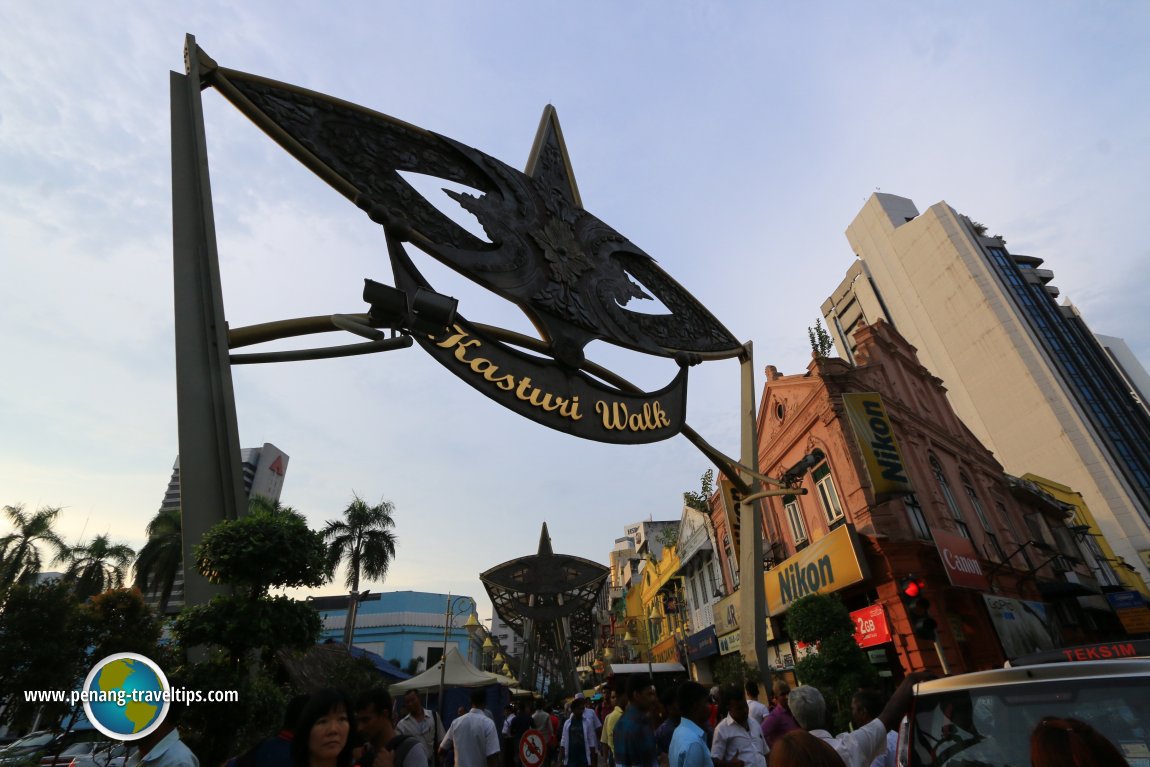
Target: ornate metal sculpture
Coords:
[(547, 598), (572, 274)]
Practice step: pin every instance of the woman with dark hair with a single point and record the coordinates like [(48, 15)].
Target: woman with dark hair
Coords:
[(798, 748), (324, 731), (1059, 742)]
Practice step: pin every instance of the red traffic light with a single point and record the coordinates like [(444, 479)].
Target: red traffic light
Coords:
[(912, 587)]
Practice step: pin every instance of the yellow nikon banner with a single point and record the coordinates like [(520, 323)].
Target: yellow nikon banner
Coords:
[(831, 563), (876, 441)]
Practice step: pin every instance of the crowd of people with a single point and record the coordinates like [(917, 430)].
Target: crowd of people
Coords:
[(689, 726)]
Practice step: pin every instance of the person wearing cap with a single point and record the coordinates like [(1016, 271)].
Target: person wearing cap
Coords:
[(577, 746)]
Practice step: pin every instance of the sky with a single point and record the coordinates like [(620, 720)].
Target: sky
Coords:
[(733, 141)]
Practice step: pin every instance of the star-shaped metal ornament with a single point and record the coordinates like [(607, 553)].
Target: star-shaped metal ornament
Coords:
[(571, 273)]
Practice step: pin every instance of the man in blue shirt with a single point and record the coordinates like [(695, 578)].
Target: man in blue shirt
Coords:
[(689, 742), (634, 738)]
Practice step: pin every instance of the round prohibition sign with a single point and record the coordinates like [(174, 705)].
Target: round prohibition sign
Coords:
[(532, 749)]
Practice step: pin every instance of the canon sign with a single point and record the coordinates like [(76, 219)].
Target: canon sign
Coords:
[(962, 565)]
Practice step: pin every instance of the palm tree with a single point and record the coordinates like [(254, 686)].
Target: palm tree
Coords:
[(98, 566), (162, 557), (19, 550), (363, 538)]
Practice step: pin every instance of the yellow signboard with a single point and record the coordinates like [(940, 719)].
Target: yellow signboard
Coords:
[(831, 563), (1135, 620), (876, 441), (726, 614)]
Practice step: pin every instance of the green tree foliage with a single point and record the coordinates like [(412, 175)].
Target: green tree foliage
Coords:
[(219, 730), (161, 559), (97, 565), (840, 666), (120, 621), (270, 547), (265, 549), (731, 670), (821, 343), (701, 500), (261, 550), (43, 638), (20, 549), (363, 539)]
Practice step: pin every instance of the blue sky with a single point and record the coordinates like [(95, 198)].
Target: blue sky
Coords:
[(733, 141)]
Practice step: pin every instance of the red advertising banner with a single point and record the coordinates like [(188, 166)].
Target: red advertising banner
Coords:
[(960, 560), (871, 627)]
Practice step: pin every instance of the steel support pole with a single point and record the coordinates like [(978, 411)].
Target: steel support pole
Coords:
[(752, 588), (211, 486)]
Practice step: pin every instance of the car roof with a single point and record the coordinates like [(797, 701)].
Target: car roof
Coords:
[(1038, 673)]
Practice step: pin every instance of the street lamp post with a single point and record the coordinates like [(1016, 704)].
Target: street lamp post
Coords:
[(488, 648), (453, 608)]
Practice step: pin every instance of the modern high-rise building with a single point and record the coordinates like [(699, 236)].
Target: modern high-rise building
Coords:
[(1024, 373), (1128, 366), (263, 471)]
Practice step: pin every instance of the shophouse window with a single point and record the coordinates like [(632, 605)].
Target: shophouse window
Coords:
[(1098, 564), (696, 603), (993, 549), (948, 496), (917, 517), (712, 582), (1010, 523), (795, 518), (827, 495)]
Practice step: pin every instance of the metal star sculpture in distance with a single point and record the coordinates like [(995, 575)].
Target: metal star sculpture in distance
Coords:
[(548, 599)]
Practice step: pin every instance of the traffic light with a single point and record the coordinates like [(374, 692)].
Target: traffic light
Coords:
[(912, 589)]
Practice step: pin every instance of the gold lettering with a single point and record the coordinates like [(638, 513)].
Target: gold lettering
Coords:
[(462, 347), (571, 410), (506, 383), (450, 341), (544, 402), (614, 415), (484, 367), (524, 385), (617, 416)]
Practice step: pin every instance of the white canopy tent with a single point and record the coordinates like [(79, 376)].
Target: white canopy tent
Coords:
[(458, 673), (638, 668)]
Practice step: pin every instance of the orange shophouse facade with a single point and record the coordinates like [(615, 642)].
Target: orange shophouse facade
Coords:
[(993, 551)]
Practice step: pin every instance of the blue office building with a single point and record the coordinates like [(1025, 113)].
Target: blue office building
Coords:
[(402, 625)]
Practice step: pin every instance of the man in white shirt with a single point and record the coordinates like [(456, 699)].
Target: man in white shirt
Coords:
[(866, 704), (577, 746), (420, 723), (756, 711), (736, 743), (862, 746), (472, 736)]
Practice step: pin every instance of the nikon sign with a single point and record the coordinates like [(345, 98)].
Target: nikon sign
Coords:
[(831, 563), (876, 441)]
